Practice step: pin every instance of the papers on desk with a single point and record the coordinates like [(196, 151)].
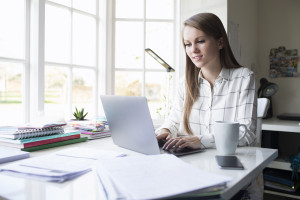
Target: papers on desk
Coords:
[(8, 154), (58, 167), (152, 177)]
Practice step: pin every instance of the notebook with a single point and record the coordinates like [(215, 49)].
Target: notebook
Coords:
[(131, 125), (19, 134)]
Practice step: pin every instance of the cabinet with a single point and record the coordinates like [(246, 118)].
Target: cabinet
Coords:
[(283, 135)]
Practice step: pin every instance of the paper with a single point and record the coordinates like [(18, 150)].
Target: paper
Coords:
[(8, 154), (60, 166), (152, 177)]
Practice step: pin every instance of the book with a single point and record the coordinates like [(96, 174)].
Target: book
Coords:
[(95, 134), (279, 176), (274, 185), (36, 141), (21, 133), (8, 154), (56, 144)]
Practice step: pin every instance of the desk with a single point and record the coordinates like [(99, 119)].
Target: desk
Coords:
[(86, 186)]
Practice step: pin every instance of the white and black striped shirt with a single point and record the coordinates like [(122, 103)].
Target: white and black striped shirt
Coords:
[(233, 98)]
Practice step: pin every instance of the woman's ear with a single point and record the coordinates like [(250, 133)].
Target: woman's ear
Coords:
[(221, 43)]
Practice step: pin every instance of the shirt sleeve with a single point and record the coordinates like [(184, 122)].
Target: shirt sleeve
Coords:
[(175, 118), (247, 108)]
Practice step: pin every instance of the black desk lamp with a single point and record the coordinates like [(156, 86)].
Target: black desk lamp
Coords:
[(267, 90), (169, 69), (160, 60)]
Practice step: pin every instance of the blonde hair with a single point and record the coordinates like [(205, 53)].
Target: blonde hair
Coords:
[(211, 25)]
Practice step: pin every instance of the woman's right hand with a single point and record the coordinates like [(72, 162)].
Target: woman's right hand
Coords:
[(163, 134)]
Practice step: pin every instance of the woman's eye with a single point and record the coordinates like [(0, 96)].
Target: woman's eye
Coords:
[(200, 41), (187, 44)]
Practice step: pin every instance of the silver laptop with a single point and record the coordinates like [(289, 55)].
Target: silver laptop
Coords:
[(131, 125)]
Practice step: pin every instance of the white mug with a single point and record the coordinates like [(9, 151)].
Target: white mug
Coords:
[(227, 136)]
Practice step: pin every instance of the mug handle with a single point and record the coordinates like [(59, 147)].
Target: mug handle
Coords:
[(246, 130)]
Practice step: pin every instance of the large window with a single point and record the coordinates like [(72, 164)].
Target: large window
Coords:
[(58, 54), (70, 57), (141, 24), (12, 61)]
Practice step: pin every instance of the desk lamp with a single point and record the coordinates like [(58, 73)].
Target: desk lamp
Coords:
[(168, 68), (267, 90), (160, 60)]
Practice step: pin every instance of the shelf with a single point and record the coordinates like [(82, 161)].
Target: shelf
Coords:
[(280, 164), (281, 194), (275, 124)]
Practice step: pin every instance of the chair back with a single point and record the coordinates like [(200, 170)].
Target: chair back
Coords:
[(262, 108)]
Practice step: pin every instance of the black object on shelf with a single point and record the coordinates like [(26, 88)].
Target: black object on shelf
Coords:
[(289, 116), (267, 90)]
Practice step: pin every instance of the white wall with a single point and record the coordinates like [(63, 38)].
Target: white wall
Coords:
[(189, 8), (279, 26), (244, 14)]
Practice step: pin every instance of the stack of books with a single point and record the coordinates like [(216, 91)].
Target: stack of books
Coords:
[(36, 137), (281, 181), (93, 130)]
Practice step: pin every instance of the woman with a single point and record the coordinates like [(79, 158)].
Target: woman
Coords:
[(215, 88)]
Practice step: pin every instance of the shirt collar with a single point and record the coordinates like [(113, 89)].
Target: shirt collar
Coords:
[(224, 74)]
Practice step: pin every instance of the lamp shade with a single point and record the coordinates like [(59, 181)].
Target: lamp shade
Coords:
[(266, 88)]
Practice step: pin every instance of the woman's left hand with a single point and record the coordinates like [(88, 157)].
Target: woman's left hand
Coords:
[(192, 142)]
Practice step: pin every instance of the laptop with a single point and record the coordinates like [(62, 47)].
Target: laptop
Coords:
[(131, 125)]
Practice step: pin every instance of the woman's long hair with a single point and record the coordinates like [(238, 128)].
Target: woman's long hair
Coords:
[(211, 25)]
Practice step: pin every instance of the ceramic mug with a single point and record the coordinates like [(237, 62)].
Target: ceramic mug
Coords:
[(227, 136)]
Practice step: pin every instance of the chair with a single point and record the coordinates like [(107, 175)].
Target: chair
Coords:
[(262, 108)]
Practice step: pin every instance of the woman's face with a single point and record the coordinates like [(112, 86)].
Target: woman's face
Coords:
[(202, 49)]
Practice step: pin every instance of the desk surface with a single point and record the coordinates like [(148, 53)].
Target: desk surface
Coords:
[(86, 186)]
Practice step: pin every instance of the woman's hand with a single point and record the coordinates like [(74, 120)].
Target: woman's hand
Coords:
[(192, 142), (163, 134)]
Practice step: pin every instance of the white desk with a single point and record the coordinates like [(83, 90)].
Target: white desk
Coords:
[(86, 186)]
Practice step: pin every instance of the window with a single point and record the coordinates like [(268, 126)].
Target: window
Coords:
[(70, 57), (141, 24), (13, 61), (57, 54)]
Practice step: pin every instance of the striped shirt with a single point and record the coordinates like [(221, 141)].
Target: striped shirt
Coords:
[(232, 98)]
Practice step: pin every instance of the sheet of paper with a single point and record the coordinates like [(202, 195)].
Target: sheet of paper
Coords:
[(59, 166), (167, 175)]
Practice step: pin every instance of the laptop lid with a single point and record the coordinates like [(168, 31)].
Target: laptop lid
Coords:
[(130, 123)]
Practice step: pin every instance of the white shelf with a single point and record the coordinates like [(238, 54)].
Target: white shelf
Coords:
[(275, 124), (280, 164)]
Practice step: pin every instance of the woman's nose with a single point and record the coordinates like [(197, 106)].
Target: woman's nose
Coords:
[(195, 48)]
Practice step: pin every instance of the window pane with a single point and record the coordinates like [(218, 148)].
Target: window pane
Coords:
[(11, 93), (84, 40), (56, 92), (85, 5), (129, 8), (12, 34), (129, 45), (57, 35), (62, 2), (160, 9), (83, 90), (158, 92), (128, 83), (159, 37)]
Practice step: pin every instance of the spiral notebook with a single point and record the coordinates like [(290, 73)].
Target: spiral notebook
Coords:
[(19, 134)]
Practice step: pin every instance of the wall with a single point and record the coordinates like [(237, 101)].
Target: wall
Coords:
[(244, 15), (279, 26)]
